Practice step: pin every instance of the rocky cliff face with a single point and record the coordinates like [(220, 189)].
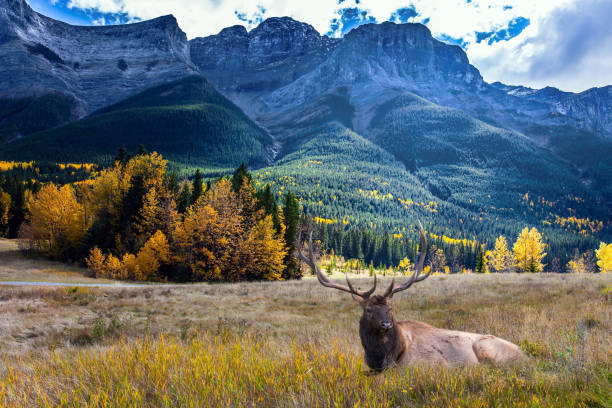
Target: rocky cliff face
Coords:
[(274, 54), (95, 65), (283, 64), (279, 70)]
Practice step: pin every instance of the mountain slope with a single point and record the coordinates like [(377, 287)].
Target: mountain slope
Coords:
[(186, 120)]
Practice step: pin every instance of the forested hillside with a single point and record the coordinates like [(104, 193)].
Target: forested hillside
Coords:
[(187, 120), (466, 199)]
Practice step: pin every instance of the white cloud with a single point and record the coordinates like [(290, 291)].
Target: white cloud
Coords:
[(555, 27), (569, 47)]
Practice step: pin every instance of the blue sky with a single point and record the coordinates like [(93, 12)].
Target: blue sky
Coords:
[(562, 43)]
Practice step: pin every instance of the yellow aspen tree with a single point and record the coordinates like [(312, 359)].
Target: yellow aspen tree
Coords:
[(604, 257), (149, 214), (57, 221), (500, 258), (261, 255), (151, 167), (5, 206), (102, 196), (112, 267), (193, 240), (405, 266), (576, 265), (529, 250), (130, 266), (95, 261), (151, 256)]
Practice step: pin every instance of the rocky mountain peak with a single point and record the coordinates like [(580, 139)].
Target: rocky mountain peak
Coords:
[(95, 65), (233, 31), (279, 24), (271, 55)]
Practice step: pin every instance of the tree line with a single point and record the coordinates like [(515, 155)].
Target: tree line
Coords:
[(136, 221), (365, 248)]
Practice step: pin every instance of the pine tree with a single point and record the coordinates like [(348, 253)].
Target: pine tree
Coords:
[(291, 215), (197, 190), (239, 176), (268, 203), (141, 150), (184, 198), (172, 184), (122, 156), (481, 260), (133, 200)]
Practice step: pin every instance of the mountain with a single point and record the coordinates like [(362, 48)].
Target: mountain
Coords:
[(474, 148), (186, 119), (380, 126), (379, 61), (83, 68), (376, 63)]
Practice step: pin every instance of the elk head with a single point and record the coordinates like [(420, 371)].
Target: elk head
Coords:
[(377, 315)]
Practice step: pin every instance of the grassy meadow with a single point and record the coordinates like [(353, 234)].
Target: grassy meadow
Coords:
[(296, 344), (15, 267)]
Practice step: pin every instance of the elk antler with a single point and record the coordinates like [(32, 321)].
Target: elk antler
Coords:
[(310, 261), (418, 270)]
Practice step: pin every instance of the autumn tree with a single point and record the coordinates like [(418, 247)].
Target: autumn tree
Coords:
[(577, 264), (125, 224), (56, 221), (604, 257), (529, 250), (148, 219), (5, 206), (437, 260), (405, 266), (95, 261), (210, 233), (262, 254), (154, 254), (501, 258)]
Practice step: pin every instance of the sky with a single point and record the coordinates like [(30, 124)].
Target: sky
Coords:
[(562, 43)]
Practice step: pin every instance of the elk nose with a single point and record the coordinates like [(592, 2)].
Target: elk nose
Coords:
[(386, 325)]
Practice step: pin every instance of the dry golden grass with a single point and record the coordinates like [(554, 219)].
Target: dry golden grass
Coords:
[(296, 344), (15, 267)]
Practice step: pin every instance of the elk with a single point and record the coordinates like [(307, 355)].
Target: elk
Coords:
[(387, 342)]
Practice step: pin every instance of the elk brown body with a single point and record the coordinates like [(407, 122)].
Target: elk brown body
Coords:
[(387, 342)]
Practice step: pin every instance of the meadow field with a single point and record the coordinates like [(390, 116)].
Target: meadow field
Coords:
[(296, 344)]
